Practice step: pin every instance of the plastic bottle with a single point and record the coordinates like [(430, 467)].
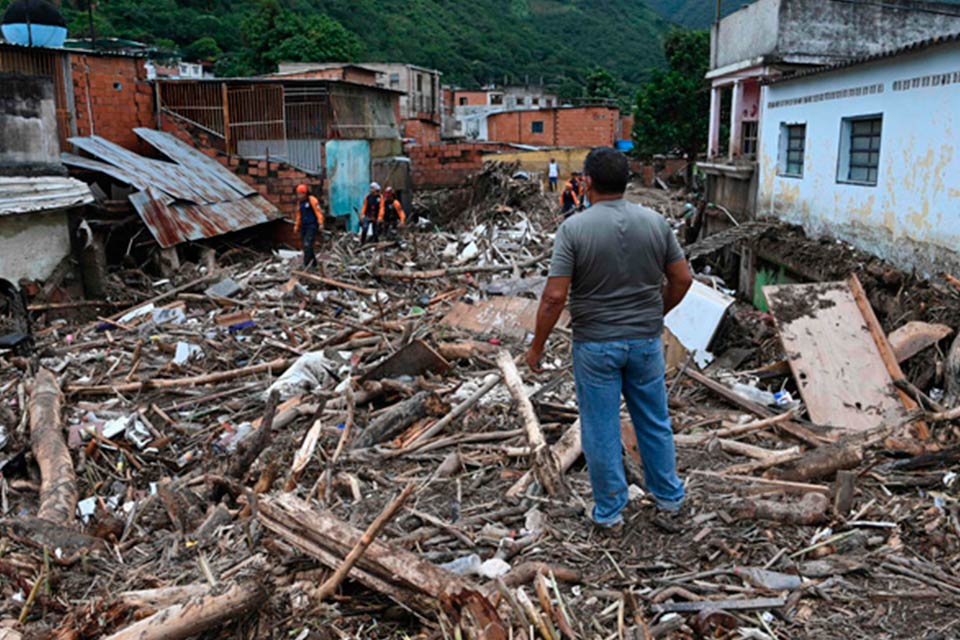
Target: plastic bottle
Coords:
[(467, 565), (754, 394)]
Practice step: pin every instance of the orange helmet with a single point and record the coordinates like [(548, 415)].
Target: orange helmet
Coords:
[(302, 189)]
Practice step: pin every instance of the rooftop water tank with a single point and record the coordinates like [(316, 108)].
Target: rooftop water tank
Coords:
[(34, 23)]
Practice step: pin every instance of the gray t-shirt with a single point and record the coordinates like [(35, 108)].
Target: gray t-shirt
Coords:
[(616, 253)]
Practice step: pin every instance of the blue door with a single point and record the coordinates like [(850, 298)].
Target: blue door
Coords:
[(348, 174)]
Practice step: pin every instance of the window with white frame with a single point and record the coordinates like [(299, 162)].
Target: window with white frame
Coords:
[(793, 143), (860, 150)]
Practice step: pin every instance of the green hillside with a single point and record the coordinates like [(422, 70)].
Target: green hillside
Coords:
[(695, 14), (472, 42)]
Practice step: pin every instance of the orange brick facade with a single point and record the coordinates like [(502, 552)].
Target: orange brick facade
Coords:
[(447, 165), (111, 97), (562, 127), (421, 131)]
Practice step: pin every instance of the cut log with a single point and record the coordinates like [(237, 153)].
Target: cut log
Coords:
[(810, 510), (163, 597), (58, 481), (823, 462), (405, 578), (545, 464), (843, 489), (397, 418), (250, 450), (566, 451), (327, 589), (219, 606)]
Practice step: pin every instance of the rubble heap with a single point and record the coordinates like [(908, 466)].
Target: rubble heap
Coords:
[(266, 452)]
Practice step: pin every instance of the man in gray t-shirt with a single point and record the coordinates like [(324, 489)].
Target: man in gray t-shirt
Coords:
[(623, 270)]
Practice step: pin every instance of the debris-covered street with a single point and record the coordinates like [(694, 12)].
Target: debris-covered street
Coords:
[(231, 442)]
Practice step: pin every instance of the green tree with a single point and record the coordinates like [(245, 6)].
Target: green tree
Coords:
[(205, 49), (602, 85), (672, 108)]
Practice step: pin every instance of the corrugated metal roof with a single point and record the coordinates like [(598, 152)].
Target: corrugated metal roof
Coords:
[(191, 198), (890, 53), (21, 194)]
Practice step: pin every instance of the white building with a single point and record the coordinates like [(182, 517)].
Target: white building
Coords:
[(869, 151)]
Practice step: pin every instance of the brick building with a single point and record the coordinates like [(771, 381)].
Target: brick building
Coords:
[(557, 127), (104, 94)]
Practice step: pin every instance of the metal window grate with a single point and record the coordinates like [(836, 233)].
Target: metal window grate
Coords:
[(864, 161), (748, 138), (796, 145)]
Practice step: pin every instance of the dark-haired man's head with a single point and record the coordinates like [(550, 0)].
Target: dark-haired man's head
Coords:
[(607, 171)]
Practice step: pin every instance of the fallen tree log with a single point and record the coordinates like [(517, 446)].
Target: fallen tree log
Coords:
[(220, 605), (411, 582), (566, 450), (545, 464), (397, 418), (58, 481), (812, 509), (466, 350)]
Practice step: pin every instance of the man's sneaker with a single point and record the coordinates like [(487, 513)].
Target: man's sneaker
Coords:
[(670, 521), (609, 532)]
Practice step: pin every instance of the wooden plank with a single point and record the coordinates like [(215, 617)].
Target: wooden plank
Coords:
[(886, 351), (502, 316), (835, 360), (414, 359), (914, 337)]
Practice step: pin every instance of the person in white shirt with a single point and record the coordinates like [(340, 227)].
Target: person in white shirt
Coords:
[(553, 173)]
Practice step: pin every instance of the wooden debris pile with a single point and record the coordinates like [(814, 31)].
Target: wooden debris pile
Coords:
[(321, 455)]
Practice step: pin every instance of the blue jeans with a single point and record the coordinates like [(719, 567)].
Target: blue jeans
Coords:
[(635, 368)]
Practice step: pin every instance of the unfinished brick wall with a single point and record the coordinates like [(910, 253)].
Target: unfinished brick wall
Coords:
[(661, 168), (447, 165), (421, 131), (112, 96), (275, 181), (563, 127)]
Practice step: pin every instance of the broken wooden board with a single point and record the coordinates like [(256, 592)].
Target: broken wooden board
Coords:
[(506, 317), (914, 337), (414, 359), (695, 320), (834, 357)]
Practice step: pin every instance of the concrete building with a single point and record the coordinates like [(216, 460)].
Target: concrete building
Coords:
[(867, 151), (592, 126), (421, 100), (773, 38), (36, 197), (467, 109), (336, 136)]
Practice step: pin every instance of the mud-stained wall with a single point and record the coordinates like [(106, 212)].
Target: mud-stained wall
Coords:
[(32, 245), (911, 216)]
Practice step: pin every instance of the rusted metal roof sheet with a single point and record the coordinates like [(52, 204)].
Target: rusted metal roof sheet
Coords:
[(172, 224), (21, 194), (197, 162), (191, 198)]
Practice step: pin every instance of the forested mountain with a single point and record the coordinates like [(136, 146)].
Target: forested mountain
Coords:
[(471, 42), (696, 14)]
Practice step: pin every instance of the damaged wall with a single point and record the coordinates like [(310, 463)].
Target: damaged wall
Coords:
[(909, 216), (32, 244), (28, 126)]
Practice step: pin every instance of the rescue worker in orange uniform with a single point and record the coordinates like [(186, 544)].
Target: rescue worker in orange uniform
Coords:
[(309, 221), (369, 214), (392, 215), (569, 201)]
